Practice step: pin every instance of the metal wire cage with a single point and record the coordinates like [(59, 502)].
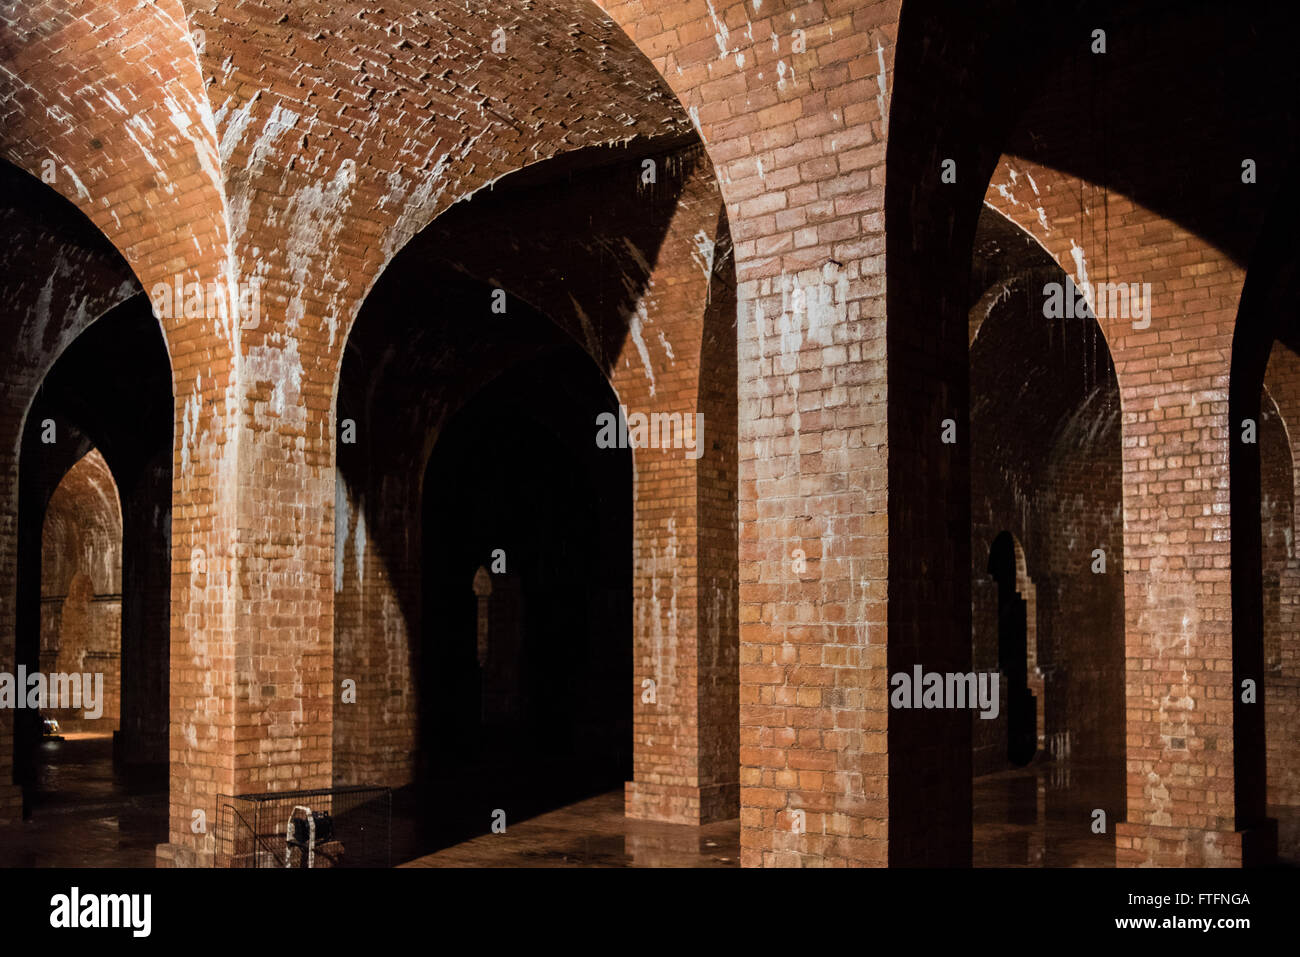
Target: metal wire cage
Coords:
[(325, 827)]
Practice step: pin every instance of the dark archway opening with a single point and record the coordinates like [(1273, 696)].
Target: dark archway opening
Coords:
[(525, 675), (106, 401), (519, 663), (467, 405), (1013, 653), (1047, 575)]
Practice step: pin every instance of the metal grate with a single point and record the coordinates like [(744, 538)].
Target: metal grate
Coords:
[(325, 827)]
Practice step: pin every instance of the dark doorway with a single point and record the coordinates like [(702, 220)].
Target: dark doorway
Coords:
[(527, 572), (1013, 653)]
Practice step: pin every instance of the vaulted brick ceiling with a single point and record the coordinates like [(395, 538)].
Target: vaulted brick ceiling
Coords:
[(246, 141)]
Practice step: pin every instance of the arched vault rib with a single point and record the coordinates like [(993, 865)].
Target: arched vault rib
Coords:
[(104, 101), (343, 134)]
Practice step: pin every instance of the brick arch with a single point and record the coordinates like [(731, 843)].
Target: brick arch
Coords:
[(111, 93), (689, 234), (464, 242), (384, 120), (1164, 595), (86, 521), (1105, 220), (684, 226), (1026, 261), (111, 388), (329, 193), (61, 275), (377, 588), (1045, 460), (1140, 213), (657, 277), (1044, 204), (66, 345), (64, 276), (340, 133)]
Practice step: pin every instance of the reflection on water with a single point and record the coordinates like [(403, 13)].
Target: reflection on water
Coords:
[(86, 813), (1031, 817), (594, 833)]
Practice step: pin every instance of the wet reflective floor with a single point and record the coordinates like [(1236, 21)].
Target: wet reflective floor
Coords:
[(1026, 818), (1288, 834), (1022, 818), (594, 833), (1012, 828), (85, 813)]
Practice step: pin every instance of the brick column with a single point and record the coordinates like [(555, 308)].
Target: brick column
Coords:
[(252, 636), (798, 141), (678, 362)]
